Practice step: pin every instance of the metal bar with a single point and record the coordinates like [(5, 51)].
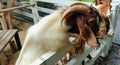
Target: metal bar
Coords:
[(17, 39)]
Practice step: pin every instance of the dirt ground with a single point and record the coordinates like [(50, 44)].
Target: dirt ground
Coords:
[(7, 57)]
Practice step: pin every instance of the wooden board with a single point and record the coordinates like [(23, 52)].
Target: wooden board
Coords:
[(6, 36)]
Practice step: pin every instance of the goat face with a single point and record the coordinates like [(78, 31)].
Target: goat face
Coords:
[(78, 20), (90, 24)]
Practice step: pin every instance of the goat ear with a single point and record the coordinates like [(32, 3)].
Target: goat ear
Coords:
[(92, 41), (86, 33)]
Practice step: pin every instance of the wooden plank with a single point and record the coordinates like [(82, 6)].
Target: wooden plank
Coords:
[(57, 2), (6, 38), (30, 15), (77, 60), (9, 14), (2, 39), (62, 2), (46, 10), (23, 13), (91, 62), (55, 58), (43, 58), (17, 7), (2, 33), (47, 57)]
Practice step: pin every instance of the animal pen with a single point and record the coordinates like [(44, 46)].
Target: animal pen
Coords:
[(32, 12)]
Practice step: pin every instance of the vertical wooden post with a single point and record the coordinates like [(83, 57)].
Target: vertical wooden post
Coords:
[(2, 17), (9, 14), (3, 21), (10, 3), (35, 12)]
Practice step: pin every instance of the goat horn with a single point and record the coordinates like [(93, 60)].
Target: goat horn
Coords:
[(78, 3), (80, 8)]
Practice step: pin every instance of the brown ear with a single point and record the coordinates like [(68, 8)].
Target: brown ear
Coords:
[(88, 36), (86, 33), (92, 41)]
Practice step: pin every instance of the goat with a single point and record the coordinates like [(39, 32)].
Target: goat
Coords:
[(103, 8), (51, 33), (88, 24)]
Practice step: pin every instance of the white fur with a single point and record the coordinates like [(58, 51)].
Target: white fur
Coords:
[(46, 35)]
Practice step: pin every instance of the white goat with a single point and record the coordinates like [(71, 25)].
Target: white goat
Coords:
[(47, 34)]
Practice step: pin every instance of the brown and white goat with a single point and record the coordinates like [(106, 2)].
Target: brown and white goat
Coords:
[(103, 8), (88, 25), (51, 33), (91, 22)]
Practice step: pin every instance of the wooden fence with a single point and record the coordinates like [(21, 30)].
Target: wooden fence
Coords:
[(50, 58)]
